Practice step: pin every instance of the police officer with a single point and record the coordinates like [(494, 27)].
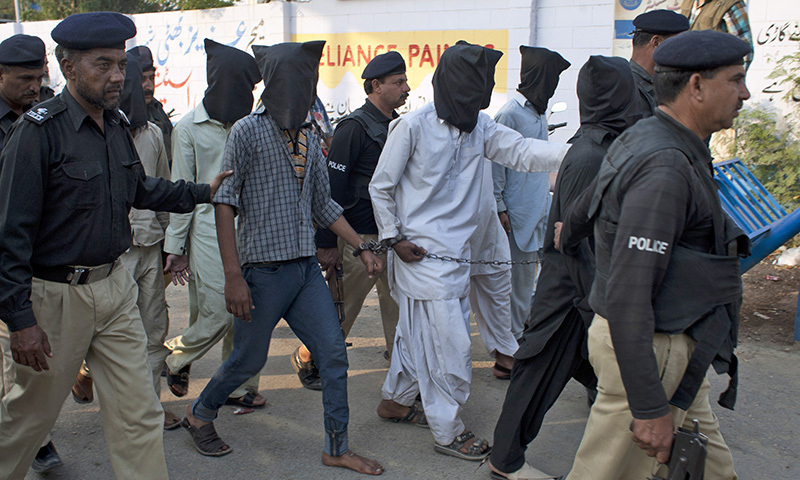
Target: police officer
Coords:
[(23, 65), (652, 28), (21, 74), (69, 173), (356, 147), (667, 287), (155, 110)]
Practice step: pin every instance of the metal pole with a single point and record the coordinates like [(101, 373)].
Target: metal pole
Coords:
[(16, 9)]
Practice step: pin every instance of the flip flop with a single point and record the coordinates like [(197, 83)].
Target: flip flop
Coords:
[(474, 451), (414, 416), (501, 372), (180, 379), (247, 401), (206, 440)]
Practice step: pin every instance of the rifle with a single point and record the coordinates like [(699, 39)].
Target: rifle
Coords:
[(337, 291), (687, 459)]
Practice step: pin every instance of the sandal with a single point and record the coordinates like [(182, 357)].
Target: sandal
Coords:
[(473, 453), (206, 440), (82, 389), (171, 421), (179, 380), (414, 416), (527, 472), (501, 372), (247, 400)]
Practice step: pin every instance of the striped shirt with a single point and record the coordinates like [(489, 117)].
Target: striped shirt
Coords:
[(276, 213)]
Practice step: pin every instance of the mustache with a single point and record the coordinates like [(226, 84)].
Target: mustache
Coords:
[(148, 91)]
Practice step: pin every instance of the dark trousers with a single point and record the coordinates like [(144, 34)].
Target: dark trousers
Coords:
[(536, 384)]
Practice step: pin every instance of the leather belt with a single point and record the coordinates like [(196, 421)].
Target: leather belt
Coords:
[(272, 264), (74, 275)]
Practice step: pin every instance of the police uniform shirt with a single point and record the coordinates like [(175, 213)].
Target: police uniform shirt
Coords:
[(7, 118), (353, 153), (66, 188), (647, 93)]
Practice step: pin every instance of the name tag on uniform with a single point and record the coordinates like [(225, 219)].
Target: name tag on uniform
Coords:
[(647, 245)]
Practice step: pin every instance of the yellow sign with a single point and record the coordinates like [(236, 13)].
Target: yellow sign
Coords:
[(421, 49)]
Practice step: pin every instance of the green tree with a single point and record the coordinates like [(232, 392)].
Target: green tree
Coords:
[(58, 9)]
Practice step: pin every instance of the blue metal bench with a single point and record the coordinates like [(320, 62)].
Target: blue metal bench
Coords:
[(756, 212)]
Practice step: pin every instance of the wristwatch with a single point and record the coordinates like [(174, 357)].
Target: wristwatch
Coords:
[(361, 248)]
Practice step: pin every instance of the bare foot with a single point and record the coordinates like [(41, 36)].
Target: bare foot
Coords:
[(504, 360), (391, 409), (354, 462)]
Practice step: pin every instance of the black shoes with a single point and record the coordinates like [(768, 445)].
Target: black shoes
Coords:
[(306, 371), (46, 459)]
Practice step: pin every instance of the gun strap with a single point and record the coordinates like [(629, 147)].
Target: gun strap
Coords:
[(710, 337)]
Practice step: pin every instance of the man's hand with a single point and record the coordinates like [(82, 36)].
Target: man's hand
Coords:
[(372, 263), (327, 257), (30, 347), (217, 181), (654, 436), (237, 297), (505, 222), (178, 267), (409, 252), (557, 235)]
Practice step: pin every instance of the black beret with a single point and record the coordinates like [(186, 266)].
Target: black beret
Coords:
[(83, 31), (389, 63), (22, 51), (661, 22), (700, 50), (144, 56)]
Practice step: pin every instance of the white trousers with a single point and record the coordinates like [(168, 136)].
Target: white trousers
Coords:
[(433, 357), (523, 286), (490, 300)]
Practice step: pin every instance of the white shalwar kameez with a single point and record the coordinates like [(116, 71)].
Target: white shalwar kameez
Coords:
[(427, 186), (490, 285)]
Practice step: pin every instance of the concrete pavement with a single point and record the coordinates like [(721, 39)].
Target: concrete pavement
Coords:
[(284, 440)]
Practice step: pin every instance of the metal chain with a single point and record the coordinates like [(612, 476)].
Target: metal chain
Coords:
[(379, 248)]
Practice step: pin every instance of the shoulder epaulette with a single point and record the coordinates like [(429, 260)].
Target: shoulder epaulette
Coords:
[(42, 113)]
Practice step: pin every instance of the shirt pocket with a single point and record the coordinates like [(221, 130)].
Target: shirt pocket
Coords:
[(83, 184)]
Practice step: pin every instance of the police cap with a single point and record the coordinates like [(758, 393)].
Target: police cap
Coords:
[(389, 63), (700, 50), (144, 56), (22, 51), (83, 31), (661, 22)]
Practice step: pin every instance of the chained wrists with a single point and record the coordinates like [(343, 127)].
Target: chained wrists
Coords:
[(388, 243)]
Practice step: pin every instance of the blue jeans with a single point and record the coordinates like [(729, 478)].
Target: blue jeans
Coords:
[(298, 293)]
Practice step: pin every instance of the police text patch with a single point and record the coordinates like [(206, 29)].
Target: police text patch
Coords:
[(647, 245)]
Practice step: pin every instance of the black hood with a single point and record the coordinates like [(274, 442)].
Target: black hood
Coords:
[(290, 72), (607, 94), (132, 100), (463, 82), (145, 57), (539, 75), (231, 75)]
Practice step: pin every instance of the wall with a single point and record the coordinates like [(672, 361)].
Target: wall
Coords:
[(574, 28)]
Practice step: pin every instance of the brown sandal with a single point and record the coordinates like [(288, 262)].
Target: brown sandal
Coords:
[(206, 440), (82, 389)]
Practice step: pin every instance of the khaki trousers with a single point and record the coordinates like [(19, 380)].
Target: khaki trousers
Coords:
[(144, 265), (607, 451), (357, 286), (209, 322), (99, 322)]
